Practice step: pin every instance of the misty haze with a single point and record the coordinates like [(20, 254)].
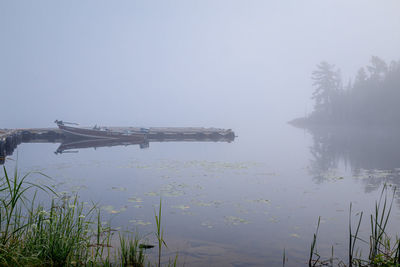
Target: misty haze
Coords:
[(200, 133)]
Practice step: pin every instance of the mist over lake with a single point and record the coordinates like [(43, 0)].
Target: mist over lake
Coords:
[(329, 68)]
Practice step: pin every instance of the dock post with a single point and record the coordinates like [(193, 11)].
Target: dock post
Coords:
[(26, 136), (18, 138), (2, 152), (9, 145), (2, 148)]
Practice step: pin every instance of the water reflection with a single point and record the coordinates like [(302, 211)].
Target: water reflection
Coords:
[(372, 155), (73, 145), (232, 204)]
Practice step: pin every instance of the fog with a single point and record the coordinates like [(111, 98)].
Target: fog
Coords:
[(250, 66), (227, 64)]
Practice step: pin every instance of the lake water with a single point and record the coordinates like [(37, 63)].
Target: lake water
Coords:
[(233, 204)]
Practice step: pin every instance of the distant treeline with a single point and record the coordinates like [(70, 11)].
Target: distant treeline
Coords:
[(372, 99)]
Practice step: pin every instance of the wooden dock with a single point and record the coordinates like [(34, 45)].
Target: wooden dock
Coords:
[(11, 138)]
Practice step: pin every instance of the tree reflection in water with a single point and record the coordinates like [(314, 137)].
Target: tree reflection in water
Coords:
[(372, 155)]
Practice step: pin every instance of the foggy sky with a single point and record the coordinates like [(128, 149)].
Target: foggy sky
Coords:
[(180, 63)]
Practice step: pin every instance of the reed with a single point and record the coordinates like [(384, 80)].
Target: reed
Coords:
[(159, 233), (32, 235), (382, 250), (65, 234), (311, 261), (353, 238), (131, 252)]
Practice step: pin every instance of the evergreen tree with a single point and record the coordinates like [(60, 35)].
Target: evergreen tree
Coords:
[(377, 69), (372, 100), (327, 83), (361, 76)]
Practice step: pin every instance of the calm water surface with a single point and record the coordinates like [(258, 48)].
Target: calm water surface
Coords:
[(232, 204)]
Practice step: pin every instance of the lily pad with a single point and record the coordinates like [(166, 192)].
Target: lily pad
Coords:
[(181, 207), (112, 210), (151, 194), (207, 224), (202, 204), (261, 200), (135, 199), (233, 220), (140, 222), (118, 188)]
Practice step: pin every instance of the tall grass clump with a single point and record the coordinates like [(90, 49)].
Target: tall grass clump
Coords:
[(384, 250), (59, 236), (32, 235), (64, 233), (131, 252)]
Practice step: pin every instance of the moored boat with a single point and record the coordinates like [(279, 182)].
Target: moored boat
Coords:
[(100, 132)]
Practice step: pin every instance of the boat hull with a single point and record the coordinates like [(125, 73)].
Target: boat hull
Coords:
[(87, 133)]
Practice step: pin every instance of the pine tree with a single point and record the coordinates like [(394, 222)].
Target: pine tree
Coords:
[(378, 69), (361, 76), (327, 83)]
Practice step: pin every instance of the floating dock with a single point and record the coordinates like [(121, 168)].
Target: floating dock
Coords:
[(11, 138)]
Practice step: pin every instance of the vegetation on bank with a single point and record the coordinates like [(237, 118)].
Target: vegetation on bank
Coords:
[(372, 99), (63, 234), (68, 234), (384, 251)]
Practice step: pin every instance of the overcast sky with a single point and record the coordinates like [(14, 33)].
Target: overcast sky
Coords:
[(180, 63)]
